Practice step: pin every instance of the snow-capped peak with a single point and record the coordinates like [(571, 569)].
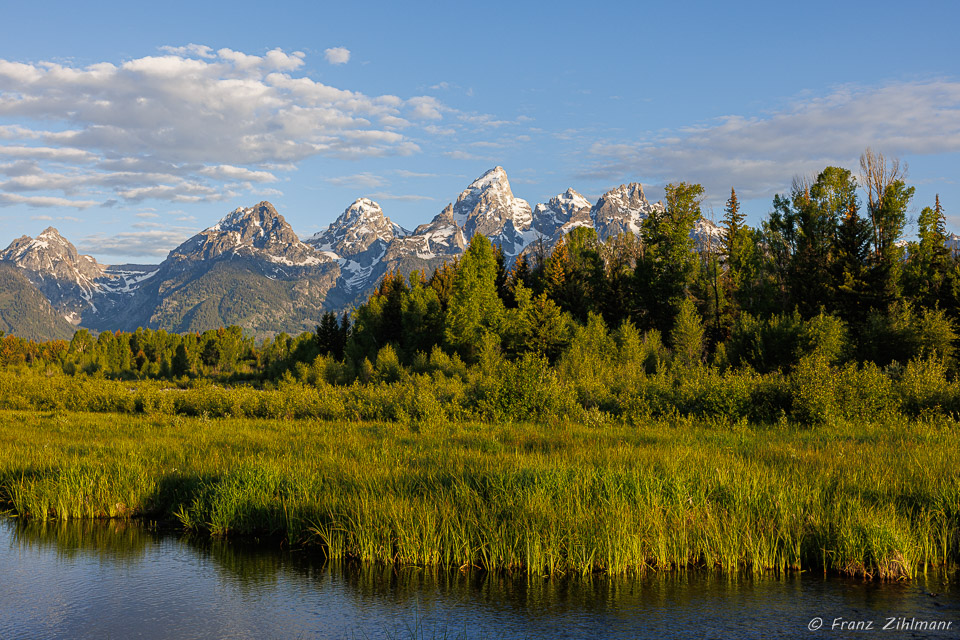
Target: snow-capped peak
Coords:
[(621, 210), (489, 207), (496, 177), (360, 226), (254, 231), (562, 214)]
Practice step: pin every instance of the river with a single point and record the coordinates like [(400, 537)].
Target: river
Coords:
[(118, 579)]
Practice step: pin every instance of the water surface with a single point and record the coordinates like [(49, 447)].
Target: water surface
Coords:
[(127, 580)]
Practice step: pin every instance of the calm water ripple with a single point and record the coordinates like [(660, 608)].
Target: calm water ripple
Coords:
[(125, 580)]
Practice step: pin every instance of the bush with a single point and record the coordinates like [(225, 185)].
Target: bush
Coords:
[(812, 383), (865, 392), (766, 345), (923, 386), (826, 335)]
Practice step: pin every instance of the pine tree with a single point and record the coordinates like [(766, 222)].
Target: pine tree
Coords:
[(668, 264), (619, 255), (519, 276), (330, 337), (181, 365), (733, 224), (585, 284), (928, 262), (555, 271), (686, 339), (537, 325), (475, 310), (442, 281), (853, 269)]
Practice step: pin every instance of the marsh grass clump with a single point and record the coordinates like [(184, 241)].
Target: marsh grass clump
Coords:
[(874, 499)]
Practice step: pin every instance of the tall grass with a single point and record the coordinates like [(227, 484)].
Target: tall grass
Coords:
[(878, 499)]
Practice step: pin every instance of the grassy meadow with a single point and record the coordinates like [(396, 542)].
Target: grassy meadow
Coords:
[(875, 498)]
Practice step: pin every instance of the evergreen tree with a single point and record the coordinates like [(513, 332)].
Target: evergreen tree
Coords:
[(537, 325), (330, 335), (181, 365), (378, 321), (733, 225), (929, 259), (668, 263), (686, 338), (519, 276), (800, 236), (501, 272), (422, 319), (210, 355), (475, 310), (585, 281), (442, 281), (853, 269), (555, 271), (616, 300)]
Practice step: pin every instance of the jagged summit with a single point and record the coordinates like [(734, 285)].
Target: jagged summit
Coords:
[(561, 214), (441, 237), (50, 254), (488, 206), (257, 231), (69, 280), (622, 210), (360, 226)]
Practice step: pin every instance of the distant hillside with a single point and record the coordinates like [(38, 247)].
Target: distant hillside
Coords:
[(25, 312), (231, 291)]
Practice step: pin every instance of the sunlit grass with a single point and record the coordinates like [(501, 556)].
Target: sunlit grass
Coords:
[(876, 499)]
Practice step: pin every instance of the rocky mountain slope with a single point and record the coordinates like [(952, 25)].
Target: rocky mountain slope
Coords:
[(76, 285), (249, 269), (25, 312)]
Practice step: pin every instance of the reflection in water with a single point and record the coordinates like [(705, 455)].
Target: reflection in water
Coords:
[(118, 579)]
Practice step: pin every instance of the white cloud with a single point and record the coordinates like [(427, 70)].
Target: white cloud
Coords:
[(404, 173), (365, 180), (462, 155), (268, 192), (337, 55), (199, 50), (191, 124), (9, 199), (425, 108), (46, 153), (760, 155), (229, 172), (155, 242), (401, 198)]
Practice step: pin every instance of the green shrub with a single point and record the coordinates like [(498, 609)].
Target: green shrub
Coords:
[(812, 382)]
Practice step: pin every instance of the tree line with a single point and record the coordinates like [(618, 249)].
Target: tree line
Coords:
[(824, 269)]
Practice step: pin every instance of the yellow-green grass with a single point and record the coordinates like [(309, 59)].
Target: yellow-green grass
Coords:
[(874, 499)]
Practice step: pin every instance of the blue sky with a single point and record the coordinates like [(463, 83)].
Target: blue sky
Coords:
[(130, 128)]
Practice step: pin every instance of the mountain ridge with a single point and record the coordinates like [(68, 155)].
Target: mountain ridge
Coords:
[(253, 254)]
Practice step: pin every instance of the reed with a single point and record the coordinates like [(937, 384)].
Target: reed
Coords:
[(875, 499)]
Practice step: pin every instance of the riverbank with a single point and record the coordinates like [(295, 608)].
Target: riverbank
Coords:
[(876, 499)]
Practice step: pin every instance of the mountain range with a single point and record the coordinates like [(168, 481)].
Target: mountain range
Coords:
[(251, 269)]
